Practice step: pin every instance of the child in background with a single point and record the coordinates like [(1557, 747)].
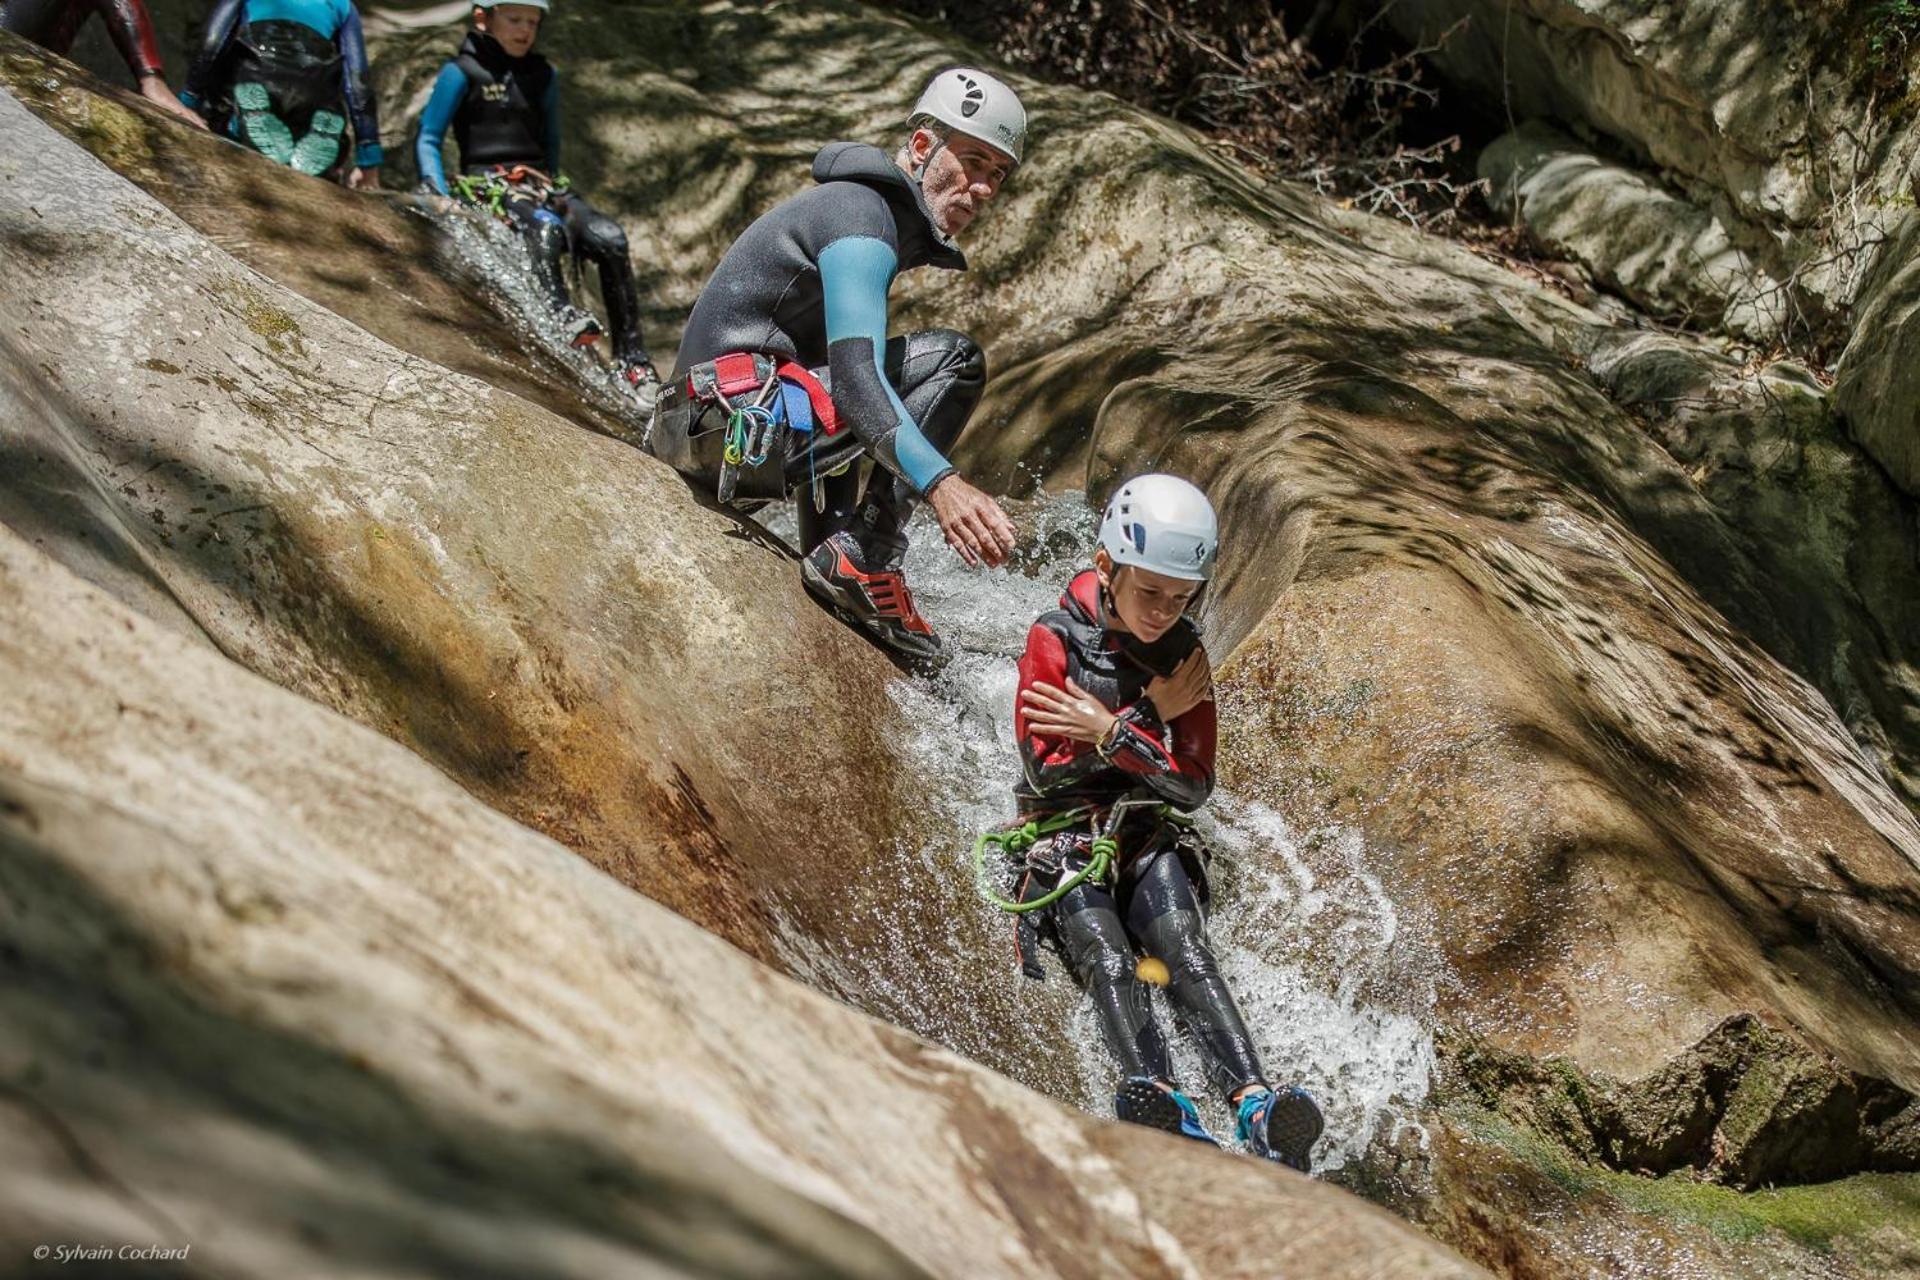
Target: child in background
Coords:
[(502, 102)]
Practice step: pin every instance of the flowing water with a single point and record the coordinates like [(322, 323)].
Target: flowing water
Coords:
[(492, 259), (1337, 987)]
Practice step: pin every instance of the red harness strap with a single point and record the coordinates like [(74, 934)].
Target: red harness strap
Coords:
[(817, 395), (735, 375)]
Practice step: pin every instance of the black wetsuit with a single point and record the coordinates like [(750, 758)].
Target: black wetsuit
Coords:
[(54, 24), (505, 112), (1158, 905), (808, 282)]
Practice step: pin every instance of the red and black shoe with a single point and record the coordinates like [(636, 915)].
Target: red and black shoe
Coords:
[(578, 326), (836, 574)]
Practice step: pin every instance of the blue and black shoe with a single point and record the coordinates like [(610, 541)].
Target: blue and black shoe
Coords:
[(1281, 1126), (1143, 1102)]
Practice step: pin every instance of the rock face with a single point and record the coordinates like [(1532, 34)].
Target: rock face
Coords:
[(1785, 126), (1474, 616), (1662, 252), (279, 992)]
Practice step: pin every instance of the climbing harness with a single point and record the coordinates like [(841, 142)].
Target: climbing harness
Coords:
[(763, 402), (1104, 851), (489, 188)]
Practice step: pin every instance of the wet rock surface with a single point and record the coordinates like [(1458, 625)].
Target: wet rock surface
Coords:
[(279, 992), (1474, 613)]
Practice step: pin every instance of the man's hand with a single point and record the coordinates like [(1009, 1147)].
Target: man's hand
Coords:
[(974, 525), (1190, 685), (154, 89), (359, 179), (1066, 713)]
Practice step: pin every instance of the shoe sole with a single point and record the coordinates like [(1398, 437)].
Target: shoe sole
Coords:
[(1149, 1106), (824, 593), (1294, 1124)]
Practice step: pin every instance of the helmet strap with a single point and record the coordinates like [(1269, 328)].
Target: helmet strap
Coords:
[(920, 170)]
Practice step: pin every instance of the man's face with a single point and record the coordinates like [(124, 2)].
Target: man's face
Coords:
[(514, 25), (963, 176)]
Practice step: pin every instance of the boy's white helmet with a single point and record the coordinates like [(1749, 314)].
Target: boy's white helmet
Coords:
[(1163, 524), (976, 104)]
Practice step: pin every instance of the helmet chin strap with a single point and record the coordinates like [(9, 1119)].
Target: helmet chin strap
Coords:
[(920, 170)]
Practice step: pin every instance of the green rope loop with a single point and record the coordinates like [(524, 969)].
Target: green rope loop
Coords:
[(1017, 840)]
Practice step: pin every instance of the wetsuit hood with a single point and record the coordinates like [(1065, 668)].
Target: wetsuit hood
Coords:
[(869, 165), (1081, 600)]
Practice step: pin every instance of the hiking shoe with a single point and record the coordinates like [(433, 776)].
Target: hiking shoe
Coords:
[(578, 327), (640, 375), (1141, 1101), (320, 149), (837, 574), (1281, 1126)]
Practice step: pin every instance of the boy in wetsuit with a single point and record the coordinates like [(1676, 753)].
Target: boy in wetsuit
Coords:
[(1116, 703), (282, 73), (502, 102), (54, 24)]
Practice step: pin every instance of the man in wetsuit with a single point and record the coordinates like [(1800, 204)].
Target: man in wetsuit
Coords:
[(803, 293), (501, 100), (54, 24), (285, 75)]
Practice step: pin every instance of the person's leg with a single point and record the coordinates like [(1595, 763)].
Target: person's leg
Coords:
[(839, 498), (1165, 913), (1094, 944), (603, 242), (546, 237), (854, 550)]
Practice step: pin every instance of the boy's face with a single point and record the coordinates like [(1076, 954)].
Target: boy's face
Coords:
[(514, 25), (1148, 603)]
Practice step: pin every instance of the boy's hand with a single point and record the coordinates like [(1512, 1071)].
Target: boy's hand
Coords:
[(1190, 685), (1066, 713)]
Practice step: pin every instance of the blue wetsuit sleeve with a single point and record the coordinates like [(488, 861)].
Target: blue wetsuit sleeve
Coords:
[(204, 70), (449, 91), (855, 273), (360, 104), (550, 112)]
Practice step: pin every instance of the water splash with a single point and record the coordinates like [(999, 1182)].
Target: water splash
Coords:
[(490, 257), (1337, 990)]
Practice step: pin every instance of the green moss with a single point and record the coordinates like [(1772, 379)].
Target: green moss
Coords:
[(1814, 1216)]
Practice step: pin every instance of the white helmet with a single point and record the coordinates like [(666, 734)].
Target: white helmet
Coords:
[(978, 105), (1163, 524)]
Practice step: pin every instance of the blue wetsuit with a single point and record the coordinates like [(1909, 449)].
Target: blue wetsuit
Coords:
[(225, 44), (809, 281)]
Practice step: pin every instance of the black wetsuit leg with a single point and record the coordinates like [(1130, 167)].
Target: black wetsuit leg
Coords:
[(1165, 915), (603, 242), (939, 375), (546, 238), (1095, 945)]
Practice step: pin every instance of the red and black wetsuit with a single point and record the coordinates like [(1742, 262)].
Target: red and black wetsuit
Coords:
[(54, 24), (1172, 762), (1158, 905)]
